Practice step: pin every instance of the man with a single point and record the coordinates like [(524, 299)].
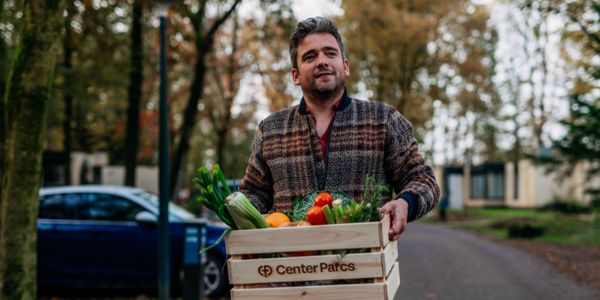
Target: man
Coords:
[(332, 142)]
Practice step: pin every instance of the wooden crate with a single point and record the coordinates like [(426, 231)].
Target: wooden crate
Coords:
[(257, 278)]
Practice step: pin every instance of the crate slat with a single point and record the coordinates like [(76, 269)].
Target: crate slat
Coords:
[(393, 282), (323, 237), (330, 292), (384, 230), (390, 255), (306, 268)]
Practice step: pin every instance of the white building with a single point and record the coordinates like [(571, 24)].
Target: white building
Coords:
[(519, 185)]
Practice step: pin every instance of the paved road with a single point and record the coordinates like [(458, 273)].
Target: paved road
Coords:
[(441, 263)]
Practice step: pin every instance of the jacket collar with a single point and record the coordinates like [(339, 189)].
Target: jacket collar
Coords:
[(343, 103)]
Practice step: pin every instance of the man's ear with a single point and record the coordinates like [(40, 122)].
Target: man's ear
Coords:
[(296, 76), (346, 67)]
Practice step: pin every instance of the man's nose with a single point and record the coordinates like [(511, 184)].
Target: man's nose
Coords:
[(322, 61)]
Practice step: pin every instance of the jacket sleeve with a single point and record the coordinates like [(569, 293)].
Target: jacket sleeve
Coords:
[(257, 183), (411, 178)]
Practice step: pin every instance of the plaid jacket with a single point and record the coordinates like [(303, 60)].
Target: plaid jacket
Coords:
[(366, 138)]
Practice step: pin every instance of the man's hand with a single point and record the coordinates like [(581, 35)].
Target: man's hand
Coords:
[(398, 211)]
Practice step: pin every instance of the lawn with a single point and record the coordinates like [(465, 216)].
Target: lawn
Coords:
[(545, 226)]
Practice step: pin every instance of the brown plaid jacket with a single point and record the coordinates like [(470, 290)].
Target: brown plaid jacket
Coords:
[(366, 138)]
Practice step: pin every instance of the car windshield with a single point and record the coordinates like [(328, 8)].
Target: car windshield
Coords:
[(173, 208)]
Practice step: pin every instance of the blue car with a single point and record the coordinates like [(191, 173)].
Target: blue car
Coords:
[(106, 237)]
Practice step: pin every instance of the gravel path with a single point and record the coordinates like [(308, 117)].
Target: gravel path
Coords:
[(441, 263)]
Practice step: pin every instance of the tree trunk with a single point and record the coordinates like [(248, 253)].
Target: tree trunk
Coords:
[(3, 74), (232, 88), (223, 132), (25, 103), (81, 134), (135, 95), (68, 92), (204, 43), (515, 153), (539, 131), (2, 118), (189, 119)]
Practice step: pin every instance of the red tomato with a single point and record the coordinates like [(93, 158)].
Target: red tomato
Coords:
[(323, 198), (316, 216)]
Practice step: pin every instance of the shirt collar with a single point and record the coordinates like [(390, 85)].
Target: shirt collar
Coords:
[(339, 105)]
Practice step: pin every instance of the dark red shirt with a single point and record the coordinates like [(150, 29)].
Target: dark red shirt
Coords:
[(324, 139)]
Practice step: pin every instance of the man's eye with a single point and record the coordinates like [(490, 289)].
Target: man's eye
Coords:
[(331, 53), (309, 57)]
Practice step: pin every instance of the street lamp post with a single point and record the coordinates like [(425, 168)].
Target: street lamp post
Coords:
[(163, 216)]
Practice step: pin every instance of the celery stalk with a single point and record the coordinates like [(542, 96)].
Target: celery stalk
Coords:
[(220, 177), (328, 214), (244, 213)]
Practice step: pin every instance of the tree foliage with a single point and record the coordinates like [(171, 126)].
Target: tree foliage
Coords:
[(102, 32), (270, 51), (581, 143), (414, 54), (529, 77), (247, 47), (100, 47)]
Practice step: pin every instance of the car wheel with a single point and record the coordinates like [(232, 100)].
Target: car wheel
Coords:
[(215, 276)]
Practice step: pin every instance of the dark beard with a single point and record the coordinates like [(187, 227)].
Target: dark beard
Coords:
[(323, 95)]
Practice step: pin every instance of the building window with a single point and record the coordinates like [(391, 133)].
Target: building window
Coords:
[(495, 186), (487, 182), (478, 186)]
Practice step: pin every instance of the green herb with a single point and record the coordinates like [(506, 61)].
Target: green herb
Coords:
[(373, 192)]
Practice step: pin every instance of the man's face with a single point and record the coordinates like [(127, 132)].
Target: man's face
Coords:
[(321, 69)]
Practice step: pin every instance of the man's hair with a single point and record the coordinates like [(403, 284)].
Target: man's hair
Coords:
[(310, 26)]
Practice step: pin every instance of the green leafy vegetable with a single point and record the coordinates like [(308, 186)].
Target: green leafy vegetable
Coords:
[(213, 191), (244, 214), (234, 209), (345, 209)]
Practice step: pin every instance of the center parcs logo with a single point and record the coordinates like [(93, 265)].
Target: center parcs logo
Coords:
[(265, 271)]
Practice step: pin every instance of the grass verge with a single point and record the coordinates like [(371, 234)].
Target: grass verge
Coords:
[(556, 227)]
